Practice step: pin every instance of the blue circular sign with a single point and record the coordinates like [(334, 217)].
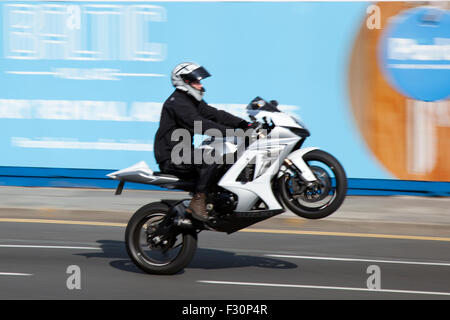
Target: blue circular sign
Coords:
[(414, 53)]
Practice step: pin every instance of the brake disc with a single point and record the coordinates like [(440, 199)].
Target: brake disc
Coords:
[(319, 189)]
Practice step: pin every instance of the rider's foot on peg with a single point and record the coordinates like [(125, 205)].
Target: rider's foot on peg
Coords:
[(197, 207)]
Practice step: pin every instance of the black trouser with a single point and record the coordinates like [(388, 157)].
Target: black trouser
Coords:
[(203, 174)]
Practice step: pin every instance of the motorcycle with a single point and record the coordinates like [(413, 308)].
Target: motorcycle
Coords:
[(273, 173)]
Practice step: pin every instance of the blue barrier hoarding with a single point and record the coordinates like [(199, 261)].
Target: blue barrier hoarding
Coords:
[(82, 82)]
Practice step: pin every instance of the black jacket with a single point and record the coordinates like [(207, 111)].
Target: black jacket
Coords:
[(180, 111)]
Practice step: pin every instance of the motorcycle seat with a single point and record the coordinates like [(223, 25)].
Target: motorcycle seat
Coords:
[(180, 184), (165, 175)]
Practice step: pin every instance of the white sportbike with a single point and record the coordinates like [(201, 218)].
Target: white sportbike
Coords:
[(271, 174)]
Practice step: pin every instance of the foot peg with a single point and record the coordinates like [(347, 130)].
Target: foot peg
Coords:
[(183, 223)]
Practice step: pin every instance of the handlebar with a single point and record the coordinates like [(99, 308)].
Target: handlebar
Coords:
[(261, 129)]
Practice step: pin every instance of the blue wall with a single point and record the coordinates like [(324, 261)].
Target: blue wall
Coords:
[(93, 178), (82, 85)]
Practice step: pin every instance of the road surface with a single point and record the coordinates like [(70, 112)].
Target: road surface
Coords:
[(69, 244)]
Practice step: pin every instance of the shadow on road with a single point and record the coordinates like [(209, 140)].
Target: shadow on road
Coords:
[(219, 259), (208, 259)]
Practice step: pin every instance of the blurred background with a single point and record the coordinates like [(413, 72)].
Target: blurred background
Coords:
[(82, 83)]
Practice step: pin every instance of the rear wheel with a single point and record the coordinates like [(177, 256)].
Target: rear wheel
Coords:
[(152, 252), (318, 199)]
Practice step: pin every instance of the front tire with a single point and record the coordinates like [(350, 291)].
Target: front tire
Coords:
[(164, 258), (322, 199)]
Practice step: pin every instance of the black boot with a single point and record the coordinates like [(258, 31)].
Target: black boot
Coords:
[(197, 207)]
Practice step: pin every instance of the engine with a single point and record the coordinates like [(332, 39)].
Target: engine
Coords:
[(224, 202)]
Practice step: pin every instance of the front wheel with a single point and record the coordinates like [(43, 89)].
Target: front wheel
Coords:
[(321, 198), (155, 253)]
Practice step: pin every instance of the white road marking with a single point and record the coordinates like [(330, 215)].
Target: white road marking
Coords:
[(47, 247), (15, 274), (281, 285), (359, 260)]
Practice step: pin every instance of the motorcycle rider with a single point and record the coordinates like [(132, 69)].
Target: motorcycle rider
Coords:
[(184, 106)]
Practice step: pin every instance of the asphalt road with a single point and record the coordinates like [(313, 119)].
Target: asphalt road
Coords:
[(285, 258)]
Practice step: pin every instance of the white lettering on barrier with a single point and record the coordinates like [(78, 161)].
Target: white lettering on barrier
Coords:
[(422, 120), (62, 32), (92, 110), (80, 110), (85, 73), (101, 110), (409, 49), (70, 143)]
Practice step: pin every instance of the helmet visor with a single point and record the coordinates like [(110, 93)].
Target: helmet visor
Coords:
[(196, 75)]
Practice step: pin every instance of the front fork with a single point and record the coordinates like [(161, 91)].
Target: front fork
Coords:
[(294, 163)]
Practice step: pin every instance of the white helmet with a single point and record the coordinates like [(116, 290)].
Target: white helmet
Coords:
[(184, 73)]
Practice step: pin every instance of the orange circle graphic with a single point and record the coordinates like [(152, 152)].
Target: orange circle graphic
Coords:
[(410, 138)]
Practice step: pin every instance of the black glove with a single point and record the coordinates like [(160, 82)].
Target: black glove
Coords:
[(253, 125), (248, 125), (244, 125)]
